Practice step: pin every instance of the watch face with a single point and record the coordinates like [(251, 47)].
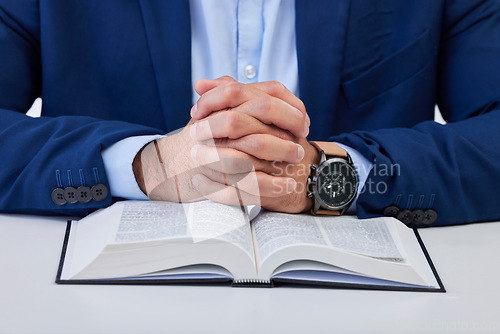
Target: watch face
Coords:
[(336, 183)]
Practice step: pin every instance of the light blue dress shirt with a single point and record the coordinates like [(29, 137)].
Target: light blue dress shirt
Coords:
[(249, 40)]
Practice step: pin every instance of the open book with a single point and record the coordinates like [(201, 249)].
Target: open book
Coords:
[(147, 242)]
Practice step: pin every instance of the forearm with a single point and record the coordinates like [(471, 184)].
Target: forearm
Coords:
[(42, 154), (451, 168)]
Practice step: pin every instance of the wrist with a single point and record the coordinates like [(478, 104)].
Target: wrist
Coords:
[(137, 169), (151, 175)]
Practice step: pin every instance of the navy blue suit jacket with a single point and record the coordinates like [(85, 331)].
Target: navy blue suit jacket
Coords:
[(370, 74)]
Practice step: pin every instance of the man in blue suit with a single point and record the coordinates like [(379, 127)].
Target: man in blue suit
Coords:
[(368, 73)]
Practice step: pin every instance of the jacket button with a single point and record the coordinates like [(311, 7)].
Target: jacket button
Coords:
[(58, 196), (391, 211), (405, 216), (83, 194), (99, 192), (430, 216), (70, 195), (418, 216)]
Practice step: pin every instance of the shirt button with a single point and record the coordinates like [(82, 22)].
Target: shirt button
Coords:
[(250, 71)]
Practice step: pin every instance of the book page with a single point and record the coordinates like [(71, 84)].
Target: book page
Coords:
[(200, 221), (273, 231), (370, 237), (100, 227), (210, 220), (150, 220)]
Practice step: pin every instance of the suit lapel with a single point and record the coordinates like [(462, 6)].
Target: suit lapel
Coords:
[(321, 29), (168, 31)]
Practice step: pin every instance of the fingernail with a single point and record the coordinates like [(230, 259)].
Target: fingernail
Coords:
[(291, 185), (194, 110), (306, 129), (192, 131), (194, 150), (300, 153)]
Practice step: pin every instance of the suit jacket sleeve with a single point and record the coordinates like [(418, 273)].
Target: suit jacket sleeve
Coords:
[(41, 154), (454, 168)]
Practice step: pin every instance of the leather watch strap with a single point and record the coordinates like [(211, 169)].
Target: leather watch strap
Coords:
[(330, 149), (324, 212)]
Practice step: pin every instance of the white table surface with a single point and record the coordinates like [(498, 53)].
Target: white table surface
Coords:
[(466, 257)]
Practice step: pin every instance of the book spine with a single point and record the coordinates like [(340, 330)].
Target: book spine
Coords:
[(253, 283)]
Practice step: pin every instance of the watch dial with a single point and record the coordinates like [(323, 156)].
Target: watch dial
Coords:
[(336, 184)]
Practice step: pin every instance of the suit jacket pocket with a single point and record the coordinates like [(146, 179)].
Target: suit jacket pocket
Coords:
[(389, 72)]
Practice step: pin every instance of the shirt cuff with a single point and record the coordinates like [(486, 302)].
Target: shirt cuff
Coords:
[(363, 167), (118, 159)]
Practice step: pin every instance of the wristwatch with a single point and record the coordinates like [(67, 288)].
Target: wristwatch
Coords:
[(333, 184)]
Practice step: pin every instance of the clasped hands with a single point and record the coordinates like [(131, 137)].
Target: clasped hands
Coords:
[(245, 144)]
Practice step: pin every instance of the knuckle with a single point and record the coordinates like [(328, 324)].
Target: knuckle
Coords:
[(233, 90), (226, 78), (266, 103), (276, 87), (249, 144), (233, 124)]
